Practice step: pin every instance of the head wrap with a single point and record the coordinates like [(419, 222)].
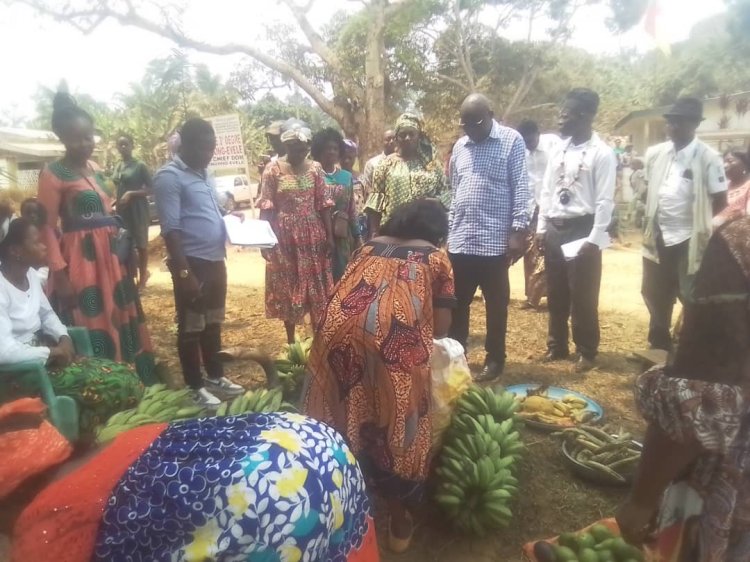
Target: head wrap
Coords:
[(425, 150), (351, 144), (274, 129), (408, 121), (294, 129)]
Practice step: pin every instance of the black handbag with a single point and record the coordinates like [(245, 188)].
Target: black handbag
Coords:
[(122, 244)]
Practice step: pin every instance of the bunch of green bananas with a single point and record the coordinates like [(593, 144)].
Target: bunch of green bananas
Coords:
[(256, 401), (478, 400), (476, 466), (159, 404), (291, 367)]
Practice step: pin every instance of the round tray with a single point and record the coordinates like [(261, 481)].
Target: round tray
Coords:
[(586, 473), (557, 393)]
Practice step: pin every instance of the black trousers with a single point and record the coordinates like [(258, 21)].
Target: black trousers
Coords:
[(572, 289), (491, 274), (199, 322), (663, 283)]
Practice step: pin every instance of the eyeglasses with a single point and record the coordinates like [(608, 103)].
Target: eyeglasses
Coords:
[(470, 124)]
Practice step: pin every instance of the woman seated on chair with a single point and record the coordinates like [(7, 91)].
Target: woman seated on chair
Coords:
[(31, 331)]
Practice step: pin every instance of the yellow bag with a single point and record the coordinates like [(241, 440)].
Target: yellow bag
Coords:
[(451, 377)]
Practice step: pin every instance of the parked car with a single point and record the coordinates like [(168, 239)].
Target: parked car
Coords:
[(236, 191), (153, 214)]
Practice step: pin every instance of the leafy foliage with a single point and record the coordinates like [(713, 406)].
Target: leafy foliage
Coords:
[(171, 91), (368, 65)]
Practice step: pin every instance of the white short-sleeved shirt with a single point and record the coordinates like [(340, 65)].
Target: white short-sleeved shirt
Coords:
[(675, 215)]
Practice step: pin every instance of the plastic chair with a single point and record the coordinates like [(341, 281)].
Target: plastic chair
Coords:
[(63, 410)]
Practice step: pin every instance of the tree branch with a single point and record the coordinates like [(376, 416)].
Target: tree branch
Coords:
[(527, 81), (462, 49), (88, 19), (530, 108), (454, 81), (317, 44)]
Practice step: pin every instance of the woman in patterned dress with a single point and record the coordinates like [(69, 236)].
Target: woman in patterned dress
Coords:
[(31, 331), (251, 488), (412, 172), (692, 488), (327, 149), (295, 200), (88, 285), (737, 172), (369, 369)]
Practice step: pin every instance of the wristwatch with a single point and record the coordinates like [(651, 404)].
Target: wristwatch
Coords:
[(184, 273)]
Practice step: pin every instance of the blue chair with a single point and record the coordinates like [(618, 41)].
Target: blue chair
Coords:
[(63, 410)]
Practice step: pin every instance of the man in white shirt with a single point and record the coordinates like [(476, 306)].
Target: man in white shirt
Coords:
[(538, 148), (686, 188), (576, 204)]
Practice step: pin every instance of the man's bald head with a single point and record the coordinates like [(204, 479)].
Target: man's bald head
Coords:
[(476, 117), (476, 103)]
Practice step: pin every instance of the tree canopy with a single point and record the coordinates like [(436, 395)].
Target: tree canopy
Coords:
[(367, 65)]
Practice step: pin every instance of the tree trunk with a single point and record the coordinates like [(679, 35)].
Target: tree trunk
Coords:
[(371, 124)]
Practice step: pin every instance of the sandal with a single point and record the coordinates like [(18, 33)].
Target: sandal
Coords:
[(398, 545)]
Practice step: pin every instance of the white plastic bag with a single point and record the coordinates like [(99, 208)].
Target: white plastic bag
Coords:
[(451, 377)]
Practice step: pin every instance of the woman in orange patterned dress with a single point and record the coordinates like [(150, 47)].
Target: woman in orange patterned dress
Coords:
[(369, 368), (295, 200), (88, 285)]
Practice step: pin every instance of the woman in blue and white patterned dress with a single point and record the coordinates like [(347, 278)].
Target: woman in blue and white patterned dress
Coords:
[(255, 488)]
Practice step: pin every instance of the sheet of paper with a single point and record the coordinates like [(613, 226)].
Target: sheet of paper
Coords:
[(571, 249), (250, 232)]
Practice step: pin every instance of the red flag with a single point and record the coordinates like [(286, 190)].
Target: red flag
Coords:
[(654, 25)]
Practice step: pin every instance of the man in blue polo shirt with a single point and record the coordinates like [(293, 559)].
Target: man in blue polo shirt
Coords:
[(193, 229), (488, 222)]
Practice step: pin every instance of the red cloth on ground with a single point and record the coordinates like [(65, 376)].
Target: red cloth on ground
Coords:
[(28, 452), (83, 495)]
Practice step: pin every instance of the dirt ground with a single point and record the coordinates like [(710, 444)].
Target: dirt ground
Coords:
[(551, 500)]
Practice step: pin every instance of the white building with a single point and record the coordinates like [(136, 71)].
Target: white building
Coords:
[(23, 153), (726, 124)]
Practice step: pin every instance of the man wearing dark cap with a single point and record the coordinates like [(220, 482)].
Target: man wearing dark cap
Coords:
[(686, 187), (273, 137)]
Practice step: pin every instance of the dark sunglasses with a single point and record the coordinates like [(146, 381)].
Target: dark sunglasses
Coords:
[(470, 124)]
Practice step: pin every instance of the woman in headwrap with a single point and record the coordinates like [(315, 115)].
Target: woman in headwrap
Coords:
[(414, 171), (691, 493), (295, 200), (328, 150)]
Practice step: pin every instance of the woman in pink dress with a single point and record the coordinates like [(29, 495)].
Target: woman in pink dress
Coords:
[(737, 171), (295, 200)]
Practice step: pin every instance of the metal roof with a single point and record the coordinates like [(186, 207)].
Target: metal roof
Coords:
[(654, 111), (30, 142)]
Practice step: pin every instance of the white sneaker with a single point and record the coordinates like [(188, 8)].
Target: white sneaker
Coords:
[(203, 397), (223, 386)]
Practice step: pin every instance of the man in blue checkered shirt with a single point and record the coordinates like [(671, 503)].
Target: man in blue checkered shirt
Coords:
[(489, 218)]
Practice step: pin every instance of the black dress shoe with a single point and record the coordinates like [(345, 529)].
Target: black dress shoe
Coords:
[(551, 357), (490, 371)]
